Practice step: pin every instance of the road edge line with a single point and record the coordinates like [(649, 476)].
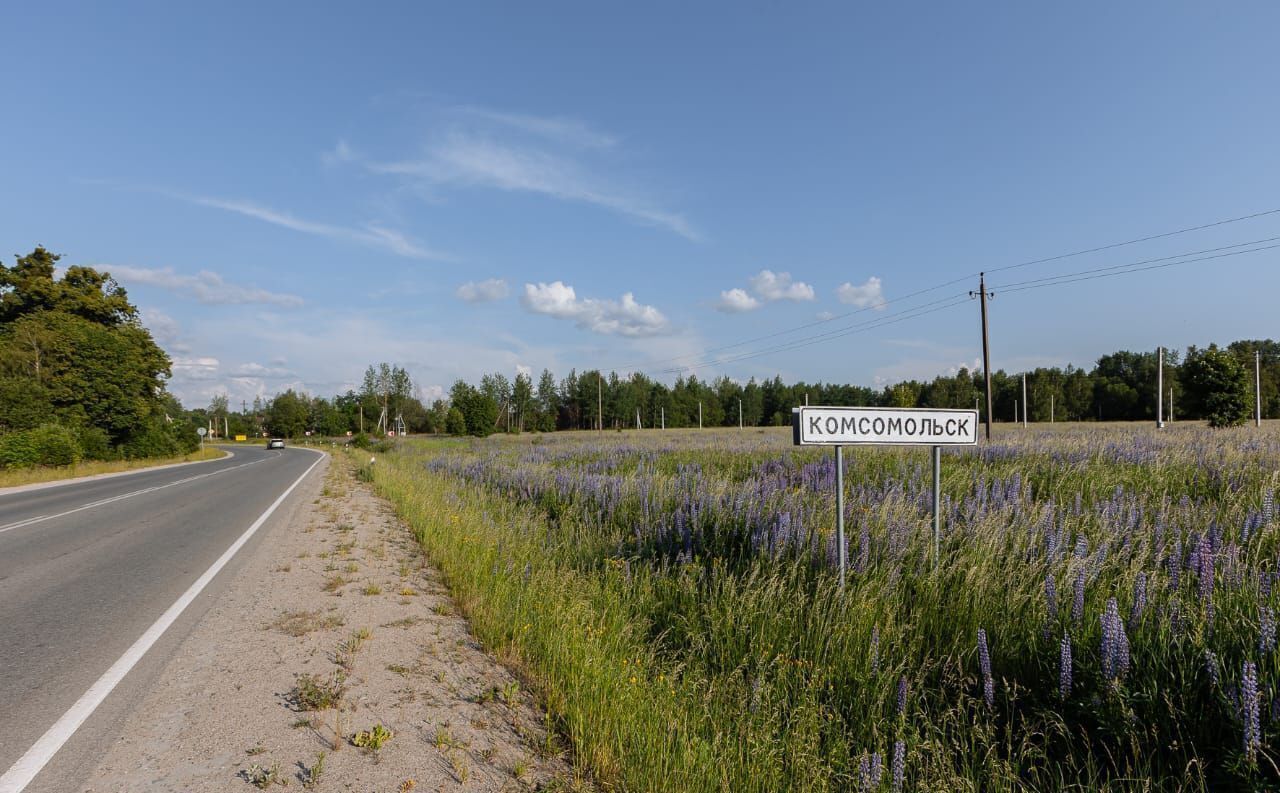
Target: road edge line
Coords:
[(33, 761)]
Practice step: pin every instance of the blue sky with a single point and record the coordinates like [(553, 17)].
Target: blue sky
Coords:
[(292, 191)]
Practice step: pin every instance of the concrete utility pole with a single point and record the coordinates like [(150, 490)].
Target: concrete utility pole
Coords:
[(986, 344), (1024, 400), (1160, 391), (699, 414), (600, 399), (1051, 408), (1015, 411), (637, 418), (664, 416), (362, 418), (1257, 388), (739, 412)]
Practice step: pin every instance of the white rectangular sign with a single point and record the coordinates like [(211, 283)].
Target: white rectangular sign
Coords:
[(841, 426)]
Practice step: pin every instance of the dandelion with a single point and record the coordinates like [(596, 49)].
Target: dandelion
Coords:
[(1064, 667)]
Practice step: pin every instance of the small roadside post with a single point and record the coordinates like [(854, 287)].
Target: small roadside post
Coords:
[(866, 426), (201, 432)]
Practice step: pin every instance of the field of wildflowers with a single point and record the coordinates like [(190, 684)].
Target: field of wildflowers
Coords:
[(1102, 616)]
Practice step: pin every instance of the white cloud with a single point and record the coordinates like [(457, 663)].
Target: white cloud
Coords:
[(607, 317), (195, 369), (473, 161), (527, 371), (341, 153), (252, 369), (736, 301), (165, 330), (483, 291), (205, 286), (772, 286), (823, 316), (869, 294)]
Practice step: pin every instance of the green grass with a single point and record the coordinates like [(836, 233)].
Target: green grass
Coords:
[(39, 475), (722, 667)]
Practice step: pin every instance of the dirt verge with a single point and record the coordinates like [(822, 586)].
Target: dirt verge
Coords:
[(334, 661)]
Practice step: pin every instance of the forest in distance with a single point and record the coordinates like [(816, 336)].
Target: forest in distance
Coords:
[(1203, 383)]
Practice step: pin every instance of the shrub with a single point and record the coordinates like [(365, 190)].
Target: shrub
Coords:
[(48, 444), (95, 443)]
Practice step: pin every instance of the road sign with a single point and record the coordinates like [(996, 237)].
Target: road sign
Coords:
[(201, 431), (848, 426), (242, 437)]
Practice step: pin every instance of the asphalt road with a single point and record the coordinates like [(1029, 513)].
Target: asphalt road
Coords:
[(87, 568)]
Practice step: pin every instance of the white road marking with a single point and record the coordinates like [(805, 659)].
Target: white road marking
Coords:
[(16, 779), (122, 497)]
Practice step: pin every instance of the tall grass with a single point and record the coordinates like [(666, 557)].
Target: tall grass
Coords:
[(672, 596), (40, 474)]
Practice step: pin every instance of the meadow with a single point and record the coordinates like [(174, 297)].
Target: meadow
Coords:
[(1102, 616)]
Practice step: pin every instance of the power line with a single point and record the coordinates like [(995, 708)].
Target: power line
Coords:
[(879, 322), (1180, 256), (1113, 245), (1071, 278), (968, 277)]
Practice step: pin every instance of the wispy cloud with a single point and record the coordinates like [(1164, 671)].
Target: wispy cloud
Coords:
[(483, 291), (253, 369), (560, 129), (369, 234), (205, 286), (608, 317), (469, 160), (869, 294)]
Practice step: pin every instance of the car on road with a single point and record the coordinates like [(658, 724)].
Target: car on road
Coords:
[(275, 443)]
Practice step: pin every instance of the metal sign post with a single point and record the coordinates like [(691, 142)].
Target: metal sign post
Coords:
[(201, 432), (855, 426)]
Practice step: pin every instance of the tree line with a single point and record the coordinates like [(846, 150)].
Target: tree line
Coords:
[(1203, 383)]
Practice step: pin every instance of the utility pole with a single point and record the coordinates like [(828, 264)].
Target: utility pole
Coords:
[(637, 418), (1257, 388), (1024, 400), (739, 412), (1160, 390), (361, 418), (986, 344), (600, 399), (1051, 408), (663, 413), (1171, 404), (699, 414), (1015, 411)]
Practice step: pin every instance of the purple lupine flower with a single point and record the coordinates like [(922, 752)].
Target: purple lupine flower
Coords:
[(1064, 667), (864, 772), (1082, 547), (984, 662), (1267, 631), (1211, 666), (1249, 711), (1139, 600), (1175, 565), (899, 765), (1077, 604), (1268, 506), (902, 695), (877, 769), (1115, 644), (1205, 573)]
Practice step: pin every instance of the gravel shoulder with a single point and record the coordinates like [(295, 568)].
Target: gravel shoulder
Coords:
[(337, 626)]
